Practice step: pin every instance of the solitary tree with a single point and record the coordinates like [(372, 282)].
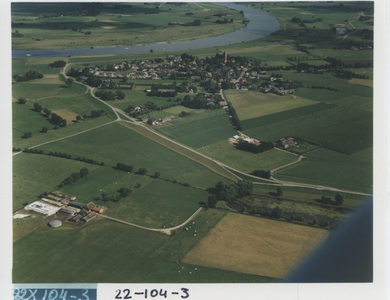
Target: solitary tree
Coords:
[(45, 129), (142, 171), (157, 175), (78, 118), (279, 191), (69, 82), (325, 200), (27, 135), (84, 172), (339, 199), (38, 107), (22, 101)]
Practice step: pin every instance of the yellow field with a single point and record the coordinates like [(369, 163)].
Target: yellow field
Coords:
[(253, 245), (250, 104), (365, 82)]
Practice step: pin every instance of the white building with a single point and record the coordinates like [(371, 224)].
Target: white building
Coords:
[(42, 208)]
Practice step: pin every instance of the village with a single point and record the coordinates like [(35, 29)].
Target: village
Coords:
[(218, 71)]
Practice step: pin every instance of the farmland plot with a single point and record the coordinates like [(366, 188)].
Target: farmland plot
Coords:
[(271, 248)]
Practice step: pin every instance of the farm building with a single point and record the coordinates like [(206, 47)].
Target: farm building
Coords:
[(152, 121), (89, 217), (97, 209), (77, 218), (42, 208), (341, 30), (55, 223), (76, 204), (286, 142), (89, 206), (51, 201), (69, 210)]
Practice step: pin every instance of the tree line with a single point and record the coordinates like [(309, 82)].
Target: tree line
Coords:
[(109, 96), (58, 64), (250, 147), (75, 177), (228, 192), (30, 75), (235, 119)]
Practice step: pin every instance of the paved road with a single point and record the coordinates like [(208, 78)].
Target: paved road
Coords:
[(272, 180)]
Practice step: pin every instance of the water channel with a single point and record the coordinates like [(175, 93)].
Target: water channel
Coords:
[(260, 24)]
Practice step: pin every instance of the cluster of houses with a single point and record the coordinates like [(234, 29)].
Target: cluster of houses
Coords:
[(276, 90), (154, 121), (194, 70), (55, 202), (81, 212), (286, 142)]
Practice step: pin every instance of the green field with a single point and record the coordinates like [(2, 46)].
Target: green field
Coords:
[(128, 24), (330, 171), (247, 162), (203, 131), (171, 206), (35, 174), (111, 252), (116, 143), (336, 128)]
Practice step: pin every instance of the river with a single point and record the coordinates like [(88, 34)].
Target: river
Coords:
[(260, 24)]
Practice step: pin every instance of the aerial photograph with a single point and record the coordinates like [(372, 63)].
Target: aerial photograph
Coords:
[(191, 142)]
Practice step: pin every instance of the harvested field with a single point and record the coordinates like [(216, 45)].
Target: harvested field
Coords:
[(365, 82), (253, 245)]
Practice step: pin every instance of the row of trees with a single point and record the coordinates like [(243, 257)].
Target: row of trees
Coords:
[(236, 120), (109, 96), (62, 155), (30, 75), (75, 177), (262, 173), (58, 64), (339, 199), (123, 193)]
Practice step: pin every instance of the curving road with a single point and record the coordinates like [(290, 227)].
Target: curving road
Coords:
[(272, 180)]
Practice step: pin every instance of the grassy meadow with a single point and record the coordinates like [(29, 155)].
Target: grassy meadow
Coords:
[(206, 129), (116, 143), (170, 206), (55, 26), (136, 255), (35, 174)]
